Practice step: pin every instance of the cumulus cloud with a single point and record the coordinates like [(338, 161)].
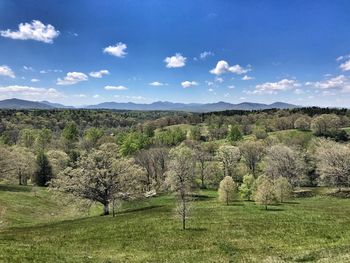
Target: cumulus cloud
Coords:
[(27, 92), (231, 86), (99, 74), (117, 50), (6, 71), (218, 79), (274, 87), (72, 78), (157, 83), (345, 66), (34, 80), (115, 88), (187, 84), (35, 30), (96, 96), (176, 61), (223, 67), (341, 83)]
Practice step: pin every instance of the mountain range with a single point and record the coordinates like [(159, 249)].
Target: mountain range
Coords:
[(159, 105)]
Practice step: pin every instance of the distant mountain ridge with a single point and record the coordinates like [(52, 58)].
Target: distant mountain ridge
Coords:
[(158, 105)]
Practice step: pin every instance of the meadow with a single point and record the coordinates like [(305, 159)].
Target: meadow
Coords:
[(37, 228)]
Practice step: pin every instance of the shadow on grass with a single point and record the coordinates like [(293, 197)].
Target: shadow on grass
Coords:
[(291, 203), (140, 209), (236, 204), (201, 197), (15, 188)]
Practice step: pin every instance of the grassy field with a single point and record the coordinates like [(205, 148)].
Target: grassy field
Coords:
[(38, 229)]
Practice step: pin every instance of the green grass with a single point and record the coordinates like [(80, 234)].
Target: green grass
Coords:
[(304, 230)]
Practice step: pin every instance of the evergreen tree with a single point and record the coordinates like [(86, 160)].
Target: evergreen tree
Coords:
[(43, 172)]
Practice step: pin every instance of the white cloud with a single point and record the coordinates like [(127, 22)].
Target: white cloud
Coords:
[(35, 30), (99, 74), (27, 92), (28, 68), (340, 82), (72, 78), (226, 94), (157, 83), (205, 54), (209, 83), (218, 79), (231, 86), (187, 84), (345, 66), (176, 61), (210, 90), (298, 91), (34, 80), (44, 71), (246, 77), (223, 67), (6, 71), (115, 88), (118, 50), (274, 87), (96, 96)]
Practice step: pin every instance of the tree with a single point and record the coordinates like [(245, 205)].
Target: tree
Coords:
[(195, 133), (69, 136), (91, 137), (59, 160), (325, 124), (43, 173), (203, 158), (333, 163), (23, 164), (229, 157), (260, 132), (227, 190), (283, 161), (27, 137), (180, 178), (234, 134), (264, 193), (283, 189), (302, 123), (246, 188), (252, 152), (101, 176), (43, 139)]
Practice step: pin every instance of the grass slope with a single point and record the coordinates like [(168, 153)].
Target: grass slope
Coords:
[(304, 230)]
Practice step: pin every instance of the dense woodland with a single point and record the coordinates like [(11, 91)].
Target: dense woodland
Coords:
[(105, 157)]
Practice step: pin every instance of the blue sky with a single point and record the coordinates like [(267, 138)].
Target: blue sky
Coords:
[(86, 52)]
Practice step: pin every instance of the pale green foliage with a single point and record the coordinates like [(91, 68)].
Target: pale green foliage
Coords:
[(229, 157), (283, 189), (246, 188), (333, 163), (180, 178), (252, 152), (22, 162), (325, 123), (302, 123), (102, 177), (227, 190), (27, 137), (58, 161), (264, 192), (284, 161), (43, 139)]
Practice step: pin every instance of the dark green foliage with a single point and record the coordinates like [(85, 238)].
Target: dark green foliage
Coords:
[(43, 173), (234, 134)]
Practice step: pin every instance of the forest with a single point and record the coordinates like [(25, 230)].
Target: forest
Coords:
[(106, 163)]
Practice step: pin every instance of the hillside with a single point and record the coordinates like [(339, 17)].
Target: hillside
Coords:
[(305, 229)]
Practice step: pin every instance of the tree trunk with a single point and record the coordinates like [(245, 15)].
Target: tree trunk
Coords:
[(183, 215), (106, 208), (265, 207), (20, 179)]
